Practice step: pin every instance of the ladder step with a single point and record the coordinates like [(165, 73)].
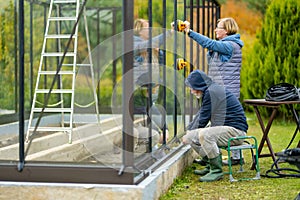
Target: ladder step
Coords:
[(59, 91), (79, 65), (62, 19), (53, 129), (59, 54), (53, 110), (54, 72), (61, 36), (64, 1)]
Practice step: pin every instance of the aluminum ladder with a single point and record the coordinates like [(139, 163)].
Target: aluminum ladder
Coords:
[(60, 47)]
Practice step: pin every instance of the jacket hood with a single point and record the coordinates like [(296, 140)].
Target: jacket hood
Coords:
[(234, 38), (198, 80)]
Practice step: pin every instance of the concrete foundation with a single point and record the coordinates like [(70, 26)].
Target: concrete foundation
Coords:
[(151, 188)]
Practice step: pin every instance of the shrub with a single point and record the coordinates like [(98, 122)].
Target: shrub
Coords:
[(274, 57)]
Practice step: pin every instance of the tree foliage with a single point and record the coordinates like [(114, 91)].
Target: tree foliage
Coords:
[(274, 57), (7, 57), (249, 21), (255, 5), (260, 5)]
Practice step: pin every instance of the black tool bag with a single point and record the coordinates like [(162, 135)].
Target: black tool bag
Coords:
[(291, 156), (283, 92)]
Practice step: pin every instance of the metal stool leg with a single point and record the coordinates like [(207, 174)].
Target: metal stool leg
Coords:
[(229, 148), (257, 177), (230, 164)]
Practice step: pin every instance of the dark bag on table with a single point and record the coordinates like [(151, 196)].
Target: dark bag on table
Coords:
[(282, 92)]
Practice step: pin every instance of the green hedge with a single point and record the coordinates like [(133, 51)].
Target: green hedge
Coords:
[(274, 57)]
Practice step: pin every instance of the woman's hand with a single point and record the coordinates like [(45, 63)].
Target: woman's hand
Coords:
[(184, 26), (172, 27), (187, 26)]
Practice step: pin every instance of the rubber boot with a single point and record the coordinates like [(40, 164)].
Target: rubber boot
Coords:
[(200, 162), (206, 169), (203, 171), (215, 172)]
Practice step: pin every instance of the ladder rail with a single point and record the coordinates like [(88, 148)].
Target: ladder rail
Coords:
[(59, 49), (91, 66), (78, 15), (39, 69)]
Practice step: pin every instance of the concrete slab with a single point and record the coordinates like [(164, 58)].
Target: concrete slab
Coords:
[(151, 188)]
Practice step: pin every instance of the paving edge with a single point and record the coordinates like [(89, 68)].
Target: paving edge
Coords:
[(151, 188)]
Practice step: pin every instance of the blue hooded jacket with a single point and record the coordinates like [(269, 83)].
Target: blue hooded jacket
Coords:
[(219, 105)]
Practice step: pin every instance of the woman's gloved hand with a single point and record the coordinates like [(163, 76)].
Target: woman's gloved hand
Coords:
[(187, 26)]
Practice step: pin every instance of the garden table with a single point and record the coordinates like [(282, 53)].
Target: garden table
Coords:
[(274, 105)]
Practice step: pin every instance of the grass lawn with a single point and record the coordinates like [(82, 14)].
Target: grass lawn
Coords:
[(187, 185)]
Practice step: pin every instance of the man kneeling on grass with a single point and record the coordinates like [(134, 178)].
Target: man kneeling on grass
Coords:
[(225, 113)]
